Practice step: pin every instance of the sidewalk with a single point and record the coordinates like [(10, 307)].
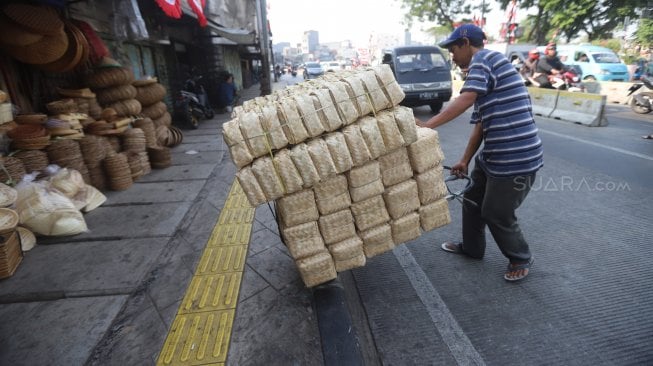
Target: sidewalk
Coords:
[(109, 296)]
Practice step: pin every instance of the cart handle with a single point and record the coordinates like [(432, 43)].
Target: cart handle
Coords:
[(458, 195)]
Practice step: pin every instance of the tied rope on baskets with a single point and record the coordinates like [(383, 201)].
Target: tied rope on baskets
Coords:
[(458, 195)]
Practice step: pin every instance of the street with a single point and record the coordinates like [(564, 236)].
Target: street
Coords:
[(587, 299)]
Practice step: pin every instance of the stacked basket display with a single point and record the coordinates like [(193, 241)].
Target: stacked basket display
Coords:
[(351, 175), (112, 85), (150, 94)]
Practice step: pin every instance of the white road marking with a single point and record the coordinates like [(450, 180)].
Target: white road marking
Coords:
[(615, 149), (452, 334)]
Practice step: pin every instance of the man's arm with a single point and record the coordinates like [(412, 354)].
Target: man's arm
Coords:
[(472, 146), (453, 110)]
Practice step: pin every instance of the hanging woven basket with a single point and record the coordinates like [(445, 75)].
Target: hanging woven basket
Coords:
[(49, 49)]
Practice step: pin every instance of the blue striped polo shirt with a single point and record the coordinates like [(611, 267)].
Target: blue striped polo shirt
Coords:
[(511, 145)]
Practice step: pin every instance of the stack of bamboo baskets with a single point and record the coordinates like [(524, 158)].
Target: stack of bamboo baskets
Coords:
[(351, 174)]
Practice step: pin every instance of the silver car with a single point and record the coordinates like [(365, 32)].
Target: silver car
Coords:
[(312, 70)]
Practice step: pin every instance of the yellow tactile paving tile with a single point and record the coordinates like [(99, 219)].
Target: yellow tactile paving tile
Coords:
[(212, 292), (198, 339), (230, 234), (222, 259), (236, 216), (201, 330)]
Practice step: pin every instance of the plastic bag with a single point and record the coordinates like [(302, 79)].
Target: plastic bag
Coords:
[(45, 210)]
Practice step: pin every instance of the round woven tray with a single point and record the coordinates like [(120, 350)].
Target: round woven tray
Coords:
[(8, 220), (146, 81), (25, 119), (74, 55), (12, 34), (150, 94), (154, 111), (110, 76), (164, 120), (177, 136), (115, 94), (62, 106), (47, 50), (127, 107), (35, 143), (7, 195), (76, 93), (21, 132), (35, 18), (27, 238)]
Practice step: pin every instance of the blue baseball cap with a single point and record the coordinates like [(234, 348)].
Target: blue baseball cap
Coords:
[(469, 31)]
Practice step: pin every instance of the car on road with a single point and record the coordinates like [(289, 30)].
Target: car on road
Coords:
[(330, 66), (312, 70), (423, 73), (597, 63)]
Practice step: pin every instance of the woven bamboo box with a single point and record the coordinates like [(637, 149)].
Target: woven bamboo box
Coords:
[(434, 215), (316, 269), (303, 240), (395, 167), (406, 228), (377, 240), (298, 208), (332, 195), (369, 213), (337, 226), (401, 198)]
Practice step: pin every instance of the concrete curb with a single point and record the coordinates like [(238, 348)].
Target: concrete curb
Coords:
[(339, 342)]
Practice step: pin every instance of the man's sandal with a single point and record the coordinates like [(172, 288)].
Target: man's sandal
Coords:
[(523, 267), (451, 247)]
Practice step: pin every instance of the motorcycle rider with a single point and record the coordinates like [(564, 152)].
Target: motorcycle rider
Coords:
[(548, 66), (529, 67)]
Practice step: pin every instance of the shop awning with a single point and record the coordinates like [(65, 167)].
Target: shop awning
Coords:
[(240, 36)]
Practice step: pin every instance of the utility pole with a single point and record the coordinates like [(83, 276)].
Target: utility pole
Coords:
[(264, 45)]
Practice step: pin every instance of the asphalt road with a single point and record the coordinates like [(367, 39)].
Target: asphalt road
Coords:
[(587, 299)]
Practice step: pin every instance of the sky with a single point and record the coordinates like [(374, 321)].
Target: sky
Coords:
[(339, 20)]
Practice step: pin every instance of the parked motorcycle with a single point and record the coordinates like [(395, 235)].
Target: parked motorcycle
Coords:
[(192, 104), (642, 102)]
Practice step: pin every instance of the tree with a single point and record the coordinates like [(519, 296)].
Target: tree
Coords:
[(644, 33), (445, 12), (596, 18), (566, 19)]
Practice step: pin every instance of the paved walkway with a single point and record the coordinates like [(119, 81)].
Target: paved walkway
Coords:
[(113, 295)]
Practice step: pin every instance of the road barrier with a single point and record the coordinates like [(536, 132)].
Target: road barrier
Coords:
[(583, 108), (543, 100), (586, 109)]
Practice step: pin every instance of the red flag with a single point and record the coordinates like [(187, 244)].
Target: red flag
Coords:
[(198, 9), (172, 8)]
